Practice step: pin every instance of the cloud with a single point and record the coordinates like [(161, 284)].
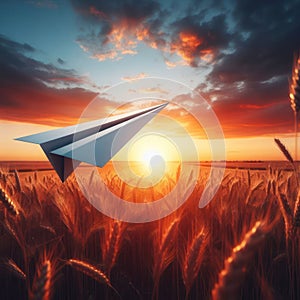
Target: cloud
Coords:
[(241, 41), (266, 37), (118, 28), (248, 85), (61, 61), (151, 90), (135, 77), (252, 108), (195, 42), (247, 46), (16, 64), (29, 89)]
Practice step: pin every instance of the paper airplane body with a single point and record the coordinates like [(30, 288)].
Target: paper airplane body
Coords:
[(91, 142)]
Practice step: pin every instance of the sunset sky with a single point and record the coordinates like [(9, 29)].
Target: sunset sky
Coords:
[(57, 56)]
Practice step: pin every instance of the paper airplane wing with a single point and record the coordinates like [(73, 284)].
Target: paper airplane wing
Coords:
[(91, 142)]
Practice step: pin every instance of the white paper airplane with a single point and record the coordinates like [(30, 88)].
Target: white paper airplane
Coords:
[(91, 142)]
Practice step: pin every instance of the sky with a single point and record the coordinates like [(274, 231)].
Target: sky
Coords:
[(57, 56)]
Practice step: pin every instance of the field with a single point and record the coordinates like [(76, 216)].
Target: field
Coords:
[(244, 245)]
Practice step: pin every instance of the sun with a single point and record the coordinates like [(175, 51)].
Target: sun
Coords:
[(150, 154), (149, 146)]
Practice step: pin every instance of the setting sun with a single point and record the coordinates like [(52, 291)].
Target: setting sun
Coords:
[(149, 155), (144, 148)]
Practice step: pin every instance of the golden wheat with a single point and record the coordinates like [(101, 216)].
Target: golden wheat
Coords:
[(157, 243), (13, 268), (284, 150), (193, 258), (163, 254), (295, 85), (8, 203), (296, 215), (286, 213), (231, 276), (90, 270), (43, 282), (295, 97), (112, 245)]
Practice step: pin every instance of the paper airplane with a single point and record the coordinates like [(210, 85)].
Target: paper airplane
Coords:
[(91, 142)]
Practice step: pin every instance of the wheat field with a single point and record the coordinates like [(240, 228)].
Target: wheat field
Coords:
[(244, 245)]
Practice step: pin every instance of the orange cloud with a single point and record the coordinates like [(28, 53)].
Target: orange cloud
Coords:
[(135, 77), (125, 35), (121, 33), (119, 41), (191, 48), (154, 90)]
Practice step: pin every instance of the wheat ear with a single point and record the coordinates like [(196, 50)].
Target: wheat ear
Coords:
[(295, 96), (168, 235), (192, 259), (90, 270), (164, 255), (43, 282), (8, 203), (231, 276), (13, 268), (288, 156), (286, 213), (112, 246), (296, 214), (18, 182), (284, 150)]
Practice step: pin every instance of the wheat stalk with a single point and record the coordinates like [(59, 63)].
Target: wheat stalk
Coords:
[(295, 96), (231, 276)]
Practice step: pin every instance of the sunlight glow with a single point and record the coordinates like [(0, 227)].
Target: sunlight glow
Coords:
[(151, 145), (147, 156)]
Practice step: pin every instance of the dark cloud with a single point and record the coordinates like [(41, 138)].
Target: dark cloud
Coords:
[(250, 83), (263, 111), (15, 65), (14, 46), (114, 9), (269, 32), (251, 108), (195, 40), (246, 40), (60, 61), (119, 26), (26, 92)]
